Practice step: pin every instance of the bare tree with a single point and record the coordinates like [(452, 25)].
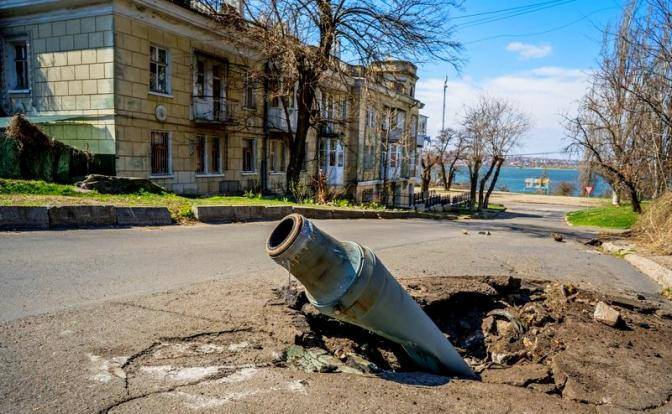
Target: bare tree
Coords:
[(441, 145), (624, 123), (308, 41), (492, 127), (428, 160), (451, 158)]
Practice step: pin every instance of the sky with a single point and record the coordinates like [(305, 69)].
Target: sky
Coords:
[(538, 56)]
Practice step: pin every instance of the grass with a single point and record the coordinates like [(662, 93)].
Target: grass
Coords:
[(612, 217), (667, 293), (40, 193)]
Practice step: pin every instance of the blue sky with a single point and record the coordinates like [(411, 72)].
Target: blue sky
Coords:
[(542, 73)]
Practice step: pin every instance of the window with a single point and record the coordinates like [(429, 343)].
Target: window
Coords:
[(250, 98), (21, 65), (249, 162), (370, 117), (393, 156), (277, 156), (158, 70), (217, 93), (401, 120), (215, 156), (344, 109), (161, 153), (200, 78), (200, 154), (209, 158)]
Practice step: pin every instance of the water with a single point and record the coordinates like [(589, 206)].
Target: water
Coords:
[(513, 179)]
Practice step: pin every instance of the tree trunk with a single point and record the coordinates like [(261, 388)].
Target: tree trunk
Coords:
[(426, 178), (481, 187), (297, 147), (473, 183), (443, 176), (615, 196), (634, 198), (498, 168), (451, 175)]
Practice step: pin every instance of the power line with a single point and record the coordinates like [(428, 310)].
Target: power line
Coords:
[(509, 15), (542, 32), (504, 10)]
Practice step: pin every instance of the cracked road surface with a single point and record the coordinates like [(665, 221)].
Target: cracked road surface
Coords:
[(46, 271), (183, 320)]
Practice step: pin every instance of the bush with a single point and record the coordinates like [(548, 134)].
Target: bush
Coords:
[(565, 188), (654, 227), (37, 156)]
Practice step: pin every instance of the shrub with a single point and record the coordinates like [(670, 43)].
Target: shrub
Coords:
[(565, 188), (654, 226)]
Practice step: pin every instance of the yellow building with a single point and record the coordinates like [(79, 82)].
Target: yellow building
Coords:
[(153, 89)]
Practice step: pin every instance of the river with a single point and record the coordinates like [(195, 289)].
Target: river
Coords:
[(513, 179)]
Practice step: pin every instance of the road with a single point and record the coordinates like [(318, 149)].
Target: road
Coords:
[(46, 271)]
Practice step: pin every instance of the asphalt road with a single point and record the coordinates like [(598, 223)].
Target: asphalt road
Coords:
[(46, 271)]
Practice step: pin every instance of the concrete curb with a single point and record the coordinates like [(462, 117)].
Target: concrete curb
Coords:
[(143, 216), (81, 216), (229, 214), (23, 218), (54, 217), (654, 270)]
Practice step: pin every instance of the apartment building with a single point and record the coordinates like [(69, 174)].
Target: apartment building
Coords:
[(154, 89)]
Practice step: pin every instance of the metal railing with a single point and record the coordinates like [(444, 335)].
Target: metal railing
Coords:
[(431, 199), (209, 109)]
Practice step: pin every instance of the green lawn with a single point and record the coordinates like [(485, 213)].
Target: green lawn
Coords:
[(613, 217), (40, 193)]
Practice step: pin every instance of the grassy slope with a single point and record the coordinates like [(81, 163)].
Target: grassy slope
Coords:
[(40, 193), (613, 217)]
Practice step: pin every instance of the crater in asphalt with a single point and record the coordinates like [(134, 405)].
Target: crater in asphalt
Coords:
[(536, 335)]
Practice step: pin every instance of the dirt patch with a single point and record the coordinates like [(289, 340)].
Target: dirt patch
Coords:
[(535, 338), (536, 335)]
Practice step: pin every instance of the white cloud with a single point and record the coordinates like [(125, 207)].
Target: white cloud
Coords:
[(545, 93), (529, 51)]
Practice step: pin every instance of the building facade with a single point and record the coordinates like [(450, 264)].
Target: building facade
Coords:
[(153, 89)]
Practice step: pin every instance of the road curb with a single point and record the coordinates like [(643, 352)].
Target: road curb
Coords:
[(652, 269), (23, 218), (230, 214), (58, 217), (143, 216)]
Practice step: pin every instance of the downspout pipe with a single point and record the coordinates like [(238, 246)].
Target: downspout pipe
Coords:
[(266, 128), (348, 282)]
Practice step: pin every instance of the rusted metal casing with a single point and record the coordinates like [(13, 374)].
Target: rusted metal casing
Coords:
[(348, 282)]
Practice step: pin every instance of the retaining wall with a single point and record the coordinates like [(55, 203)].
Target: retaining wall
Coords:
[(228, 214), (40, 218)]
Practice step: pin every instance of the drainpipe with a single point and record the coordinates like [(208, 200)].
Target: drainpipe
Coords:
[(264, 144), (348, 282)]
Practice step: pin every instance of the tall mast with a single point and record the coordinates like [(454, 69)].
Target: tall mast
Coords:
[(443, 115)]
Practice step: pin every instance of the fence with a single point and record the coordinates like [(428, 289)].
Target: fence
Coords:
[(431, 199)]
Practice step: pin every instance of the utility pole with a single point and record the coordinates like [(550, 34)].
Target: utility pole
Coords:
[(443, 113)]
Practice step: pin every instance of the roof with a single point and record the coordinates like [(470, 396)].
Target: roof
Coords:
[(45, 119)]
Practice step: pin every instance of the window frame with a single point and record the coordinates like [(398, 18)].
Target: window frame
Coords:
[(207, 153), (11, 74), (249, 93), (168, 67), (169, 154), (276, 157), (253, 161)]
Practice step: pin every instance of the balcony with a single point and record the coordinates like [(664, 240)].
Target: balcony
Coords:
[(277, 119), (420, 140), (331, 128), (211, 110)]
